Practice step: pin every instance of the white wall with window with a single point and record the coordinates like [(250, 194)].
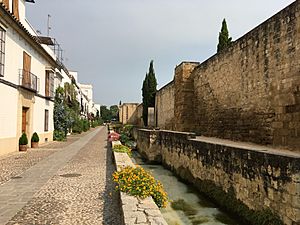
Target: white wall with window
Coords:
[(23, 107)]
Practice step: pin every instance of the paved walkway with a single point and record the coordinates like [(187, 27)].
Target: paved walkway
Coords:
[(70, 186)]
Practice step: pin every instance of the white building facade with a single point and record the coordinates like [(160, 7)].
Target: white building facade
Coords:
[(30, 72), (26, 80)]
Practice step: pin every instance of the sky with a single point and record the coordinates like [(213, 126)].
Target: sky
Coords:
[(111, 43)]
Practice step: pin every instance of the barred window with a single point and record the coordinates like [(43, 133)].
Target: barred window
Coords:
[(46, 122), (2, 51)]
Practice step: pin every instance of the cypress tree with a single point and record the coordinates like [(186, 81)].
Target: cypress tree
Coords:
[(152, 85), (224, 39), (145, 92), (148, 92)]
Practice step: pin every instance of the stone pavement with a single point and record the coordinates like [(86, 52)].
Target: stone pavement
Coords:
[(13, 164), (71, 186)]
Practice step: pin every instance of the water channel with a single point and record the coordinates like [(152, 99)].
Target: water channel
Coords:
[(187, 207)]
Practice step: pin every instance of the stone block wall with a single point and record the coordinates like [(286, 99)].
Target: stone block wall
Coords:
[(147, 140), (247, 178), (251, 91), (128, 113), (248, 92), (164, 107), (184, 96)]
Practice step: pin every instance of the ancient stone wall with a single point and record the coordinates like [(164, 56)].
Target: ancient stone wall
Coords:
[(128, 113), (164, 107), (251, 183), (184, 96), (251, 91)]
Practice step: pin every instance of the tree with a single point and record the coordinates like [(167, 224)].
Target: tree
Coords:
[(114, 110), (148, 92), (224, 39), (105, 113), (60, 115)]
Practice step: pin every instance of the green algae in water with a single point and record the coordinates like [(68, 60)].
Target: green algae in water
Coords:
[(200, 220), (182, 205)]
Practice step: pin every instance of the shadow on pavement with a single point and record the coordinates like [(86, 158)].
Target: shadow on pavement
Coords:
[(112, 204)]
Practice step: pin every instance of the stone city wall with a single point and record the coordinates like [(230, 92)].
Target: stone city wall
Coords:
[(164, 105), (248, 92), (251, 182), (251, 91)]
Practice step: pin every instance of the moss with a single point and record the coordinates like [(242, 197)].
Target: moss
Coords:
[(182, 205), (199, 220)]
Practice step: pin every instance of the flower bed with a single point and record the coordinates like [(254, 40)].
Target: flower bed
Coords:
[(122, 149), (140, 183)]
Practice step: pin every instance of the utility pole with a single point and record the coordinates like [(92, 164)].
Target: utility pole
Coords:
[(48, 25)]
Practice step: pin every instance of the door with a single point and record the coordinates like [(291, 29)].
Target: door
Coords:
[(26, 81), (24, 119)]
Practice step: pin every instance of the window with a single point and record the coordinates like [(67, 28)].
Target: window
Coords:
[(46, 120), (2, 51), (49, 84)]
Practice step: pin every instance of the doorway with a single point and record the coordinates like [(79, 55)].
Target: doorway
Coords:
[(24, 119)]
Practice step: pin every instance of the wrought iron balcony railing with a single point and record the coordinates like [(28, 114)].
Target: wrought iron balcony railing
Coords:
[(29, 80)]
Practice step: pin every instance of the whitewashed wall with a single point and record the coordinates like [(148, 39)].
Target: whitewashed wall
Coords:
[(8, 111)]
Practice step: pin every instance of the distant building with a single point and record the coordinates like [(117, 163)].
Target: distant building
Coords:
[(128, 113)]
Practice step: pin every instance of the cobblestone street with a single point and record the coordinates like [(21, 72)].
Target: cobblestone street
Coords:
[(68, 185)]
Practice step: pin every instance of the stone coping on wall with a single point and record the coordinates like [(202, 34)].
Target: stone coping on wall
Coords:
[(188, 134), (247, 146), (136, 210)]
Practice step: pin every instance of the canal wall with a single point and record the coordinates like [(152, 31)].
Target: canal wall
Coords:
[(253, 182)]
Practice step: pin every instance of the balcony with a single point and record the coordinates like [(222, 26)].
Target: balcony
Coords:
[(29, 81)]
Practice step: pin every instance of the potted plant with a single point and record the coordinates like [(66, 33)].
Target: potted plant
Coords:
[(35, 140), (23, 141)]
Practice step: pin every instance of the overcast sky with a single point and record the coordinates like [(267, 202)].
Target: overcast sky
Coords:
[(110, 43)]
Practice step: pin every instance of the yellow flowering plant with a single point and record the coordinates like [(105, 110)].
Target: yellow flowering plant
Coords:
[(122, 149), (139, 182)]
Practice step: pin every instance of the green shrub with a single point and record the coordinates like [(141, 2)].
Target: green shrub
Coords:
[(124, 138), (35, 137), (140, 183), (77, 127), (86, 125), (59, 135), (23, 139)]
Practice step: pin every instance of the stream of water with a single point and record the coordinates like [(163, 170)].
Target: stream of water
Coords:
[(186, 206)]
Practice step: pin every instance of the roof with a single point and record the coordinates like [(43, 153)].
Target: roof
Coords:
[(45, 40), (23, 31)]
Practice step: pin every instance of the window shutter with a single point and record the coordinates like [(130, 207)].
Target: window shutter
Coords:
[(47, 94), (26, 69), (6, 3), (52, 85), (15, 8)]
